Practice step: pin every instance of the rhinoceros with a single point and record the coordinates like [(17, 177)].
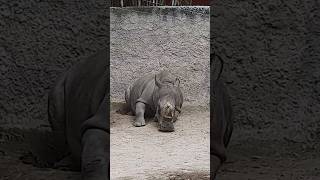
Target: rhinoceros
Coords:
[(221, 121), (156, 95), (78, 116)]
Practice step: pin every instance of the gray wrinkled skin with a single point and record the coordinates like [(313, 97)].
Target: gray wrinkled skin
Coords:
[(156, 95), (78, 114)]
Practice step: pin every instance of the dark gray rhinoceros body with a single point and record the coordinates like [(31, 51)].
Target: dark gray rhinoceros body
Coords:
[(155, 95), (79, 117)]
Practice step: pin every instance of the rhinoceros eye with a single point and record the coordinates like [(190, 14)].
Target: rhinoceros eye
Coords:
[(178, 109)]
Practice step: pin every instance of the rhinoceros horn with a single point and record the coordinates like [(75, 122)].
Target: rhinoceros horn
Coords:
[(177, 83)]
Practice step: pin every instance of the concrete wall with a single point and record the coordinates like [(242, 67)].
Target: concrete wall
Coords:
[(272, 54), (39, 41), (150, 39)]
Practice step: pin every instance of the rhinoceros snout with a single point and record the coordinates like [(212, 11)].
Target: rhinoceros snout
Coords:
[(166, 125), (166, 114)]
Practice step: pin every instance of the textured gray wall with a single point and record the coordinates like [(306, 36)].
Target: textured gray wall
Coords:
[(149, 39), (271, 50), (39, 41), (272, 54)]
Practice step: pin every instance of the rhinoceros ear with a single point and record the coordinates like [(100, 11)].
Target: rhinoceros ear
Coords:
[(158, 82), (177, 82)]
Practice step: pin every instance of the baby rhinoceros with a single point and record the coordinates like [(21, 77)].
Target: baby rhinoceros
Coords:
[(156, 95)]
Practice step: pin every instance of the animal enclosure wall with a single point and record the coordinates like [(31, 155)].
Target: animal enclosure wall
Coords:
[(38, 42), (272, 52), (150, 39)]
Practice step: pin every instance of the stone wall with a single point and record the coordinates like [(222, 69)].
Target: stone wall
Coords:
[(150, 39), (272, 69)]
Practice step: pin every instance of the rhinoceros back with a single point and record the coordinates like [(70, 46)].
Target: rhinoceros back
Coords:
[(142, 91)]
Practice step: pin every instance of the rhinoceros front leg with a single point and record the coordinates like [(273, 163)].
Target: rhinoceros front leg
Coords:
[(95, 155), (139, 120), (215, 164), (95, 141)]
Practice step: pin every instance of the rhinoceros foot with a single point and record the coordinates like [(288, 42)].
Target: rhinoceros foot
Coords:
[(66, 164), (139, 122)]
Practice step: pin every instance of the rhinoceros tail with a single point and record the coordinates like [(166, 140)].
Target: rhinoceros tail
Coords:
[(221, 120), (56, 117), (228, 115)]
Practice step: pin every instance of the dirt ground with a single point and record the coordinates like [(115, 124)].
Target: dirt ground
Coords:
[(270, 160), (146, 153), (143, 152)]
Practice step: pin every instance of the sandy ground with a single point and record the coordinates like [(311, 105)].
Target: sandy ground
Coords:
[(146, 153), (142, 152)]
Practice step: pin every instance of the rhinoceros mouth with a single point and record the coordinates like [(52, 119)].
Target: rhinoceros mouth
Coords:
[(168, 127)]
